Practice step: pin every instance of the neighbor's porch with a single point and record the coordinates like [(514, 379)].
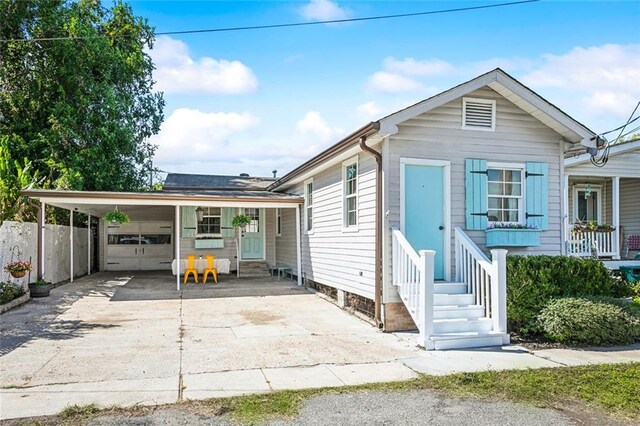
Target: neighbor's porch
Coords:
[(602, 214)]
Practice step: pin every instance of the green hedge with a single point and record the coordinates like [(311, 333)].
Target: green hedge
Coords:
[(579, 321), (532, 281)]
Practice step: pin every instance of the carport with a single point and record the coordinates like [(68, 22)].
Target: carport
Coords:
[(151, 210)]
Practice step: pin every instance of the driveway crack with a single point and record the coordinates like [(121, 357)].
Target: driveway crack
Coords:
[(180, 378)]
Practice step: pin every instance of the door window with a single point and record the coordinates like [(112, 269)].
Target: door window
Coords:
[(254, 225)]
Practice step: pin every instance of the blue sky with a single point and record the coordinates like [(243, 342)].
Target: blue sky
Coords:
[(254, 101)]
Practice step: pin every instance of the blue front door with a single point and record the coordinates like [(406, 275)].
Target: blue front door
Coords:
[(253, 235), (424, 204)]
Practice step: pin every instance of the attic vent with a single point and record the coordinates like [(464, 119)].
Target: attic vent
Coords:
[(478, 114)]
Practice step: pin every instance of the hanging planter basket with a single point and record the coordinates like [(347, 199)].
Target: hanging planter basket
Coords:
[(19, 269), (116, 216)]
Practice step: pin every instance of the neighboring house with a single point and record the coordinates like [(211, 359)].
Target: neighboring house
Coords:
[(395, 219), (608, 195)]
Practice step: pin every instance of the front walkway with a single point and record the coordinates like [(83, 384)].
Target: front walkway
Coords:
[(113, 339)]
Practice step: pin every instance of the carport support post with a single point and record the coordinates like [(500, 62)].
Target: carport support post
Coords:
[(177, 245), (298, 245), (71, 244), (88, 244), (42, 220)]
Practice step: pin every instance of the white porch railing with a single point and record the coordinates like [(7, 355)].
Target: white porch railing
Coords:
[(413, 275), (581, 243), (485, 279)]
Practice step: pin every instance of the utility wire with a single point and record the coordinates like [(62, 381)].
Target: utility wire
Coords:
[(293, 24), (602, 159)]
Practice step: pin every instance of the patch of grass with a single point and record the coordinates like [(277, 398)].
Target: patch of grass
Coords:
[(77, 412)]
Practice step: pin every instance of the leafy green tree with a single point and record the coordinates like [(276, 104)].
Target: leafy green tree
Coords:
[(80, 106)]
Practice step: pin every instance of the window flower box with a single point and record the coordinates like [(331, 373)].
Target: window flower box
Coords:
[(209, 243), (512, 237)]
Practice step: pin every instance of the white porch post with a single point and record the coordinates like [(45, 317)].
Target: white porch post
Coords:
[(425, 309), (71, 244), (499, 291), (43, 217), (615, 192), (565, 214), (177, 246), (88, 244), (298, 245)]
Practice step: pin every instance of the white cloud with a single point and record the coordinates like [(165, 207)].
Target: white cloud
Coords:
[(315, 130), (393, 83), (600, 79), (411, 66), (177, 72), (191, 136), (323, 10), (369, 111)]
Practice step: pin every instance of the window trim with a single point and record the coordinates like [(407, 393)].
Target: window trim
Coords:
[(278, 222), (523, 185), (345, 164), (582, 187), (491, 102), (308, 230), (198, 234)]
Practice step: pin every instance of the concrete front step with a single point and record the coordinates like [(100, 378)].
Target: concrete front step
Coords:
[(468, 340), (254, 269), (461, 325)]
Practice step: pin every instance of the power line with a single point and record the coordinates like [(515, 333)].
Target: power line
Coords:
[(602, 159), (294, 24)]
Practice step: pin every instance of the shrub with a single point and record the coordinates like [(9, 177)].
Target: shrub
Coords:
[(9, 291), (532, 281), (630, 306), (588, 322)]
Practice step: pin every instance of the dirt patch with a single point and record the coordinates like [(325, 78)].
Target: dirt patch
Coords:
[(260, 317)]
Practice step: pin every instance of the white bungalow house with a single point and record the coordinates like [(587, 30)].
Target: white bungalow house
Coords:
[(606, 195), (408, 219)]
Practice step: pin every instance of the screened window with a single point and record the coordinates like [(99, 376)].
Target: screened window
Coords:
[(278, 222), (505, 195), (351, 194), (308, 205), (211, 221)]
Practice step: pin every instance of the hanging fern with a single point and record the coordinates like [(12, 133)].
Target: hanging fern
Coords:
[(240, 221), (116, 216)]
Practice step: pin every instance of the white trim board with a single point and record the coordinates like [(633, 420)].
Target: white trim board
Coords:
[(446, 165), (614, 150)]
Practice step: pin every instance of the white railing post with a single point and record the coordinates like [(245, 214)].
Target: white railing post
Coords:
[(499, 290), (426, 297)]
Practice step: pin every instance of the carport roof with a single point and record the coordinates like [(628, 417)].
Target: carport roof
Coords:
[(221, 198)]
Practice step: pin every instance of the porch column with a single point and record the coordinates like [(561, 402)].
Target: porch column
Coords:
[(88, 244), (71, 244), (177, 246), (565, 213), (42, 235), (615, 193), (298, 245)]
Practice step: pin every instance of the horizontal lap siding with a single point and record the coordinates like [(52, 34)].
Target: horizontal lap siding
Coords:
[(629, 207), (437, 135), (286, 242), (331, 256), (623, 164)]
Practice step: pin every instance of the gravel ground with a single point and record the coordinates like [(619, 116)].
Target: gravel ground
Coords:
[(387, 408)]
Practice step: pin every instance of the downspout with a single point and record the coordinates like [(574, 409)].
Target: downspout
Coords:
[(40, 263), (378, 231)]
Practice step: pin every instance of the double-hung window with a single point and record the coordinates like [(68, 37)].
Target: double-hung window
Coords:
[(308, 205), (350, 193), (505, 194), (211, 221)]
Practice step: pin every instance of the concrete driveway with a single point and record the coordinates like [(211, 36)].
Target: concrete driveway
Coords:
[(116, 339)]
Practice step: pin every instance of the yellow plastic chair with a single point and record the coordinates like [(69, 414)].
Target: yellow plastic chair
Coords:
[(191, 269), (210, 269)]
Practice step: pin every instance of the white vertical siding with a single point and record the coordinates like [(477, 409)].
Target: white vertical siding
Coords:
[(437, 135), (331, 255)]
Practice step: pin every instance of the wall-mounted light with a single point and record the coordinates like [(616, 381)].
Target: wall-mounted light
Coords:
[(199, 214), (587, 191)]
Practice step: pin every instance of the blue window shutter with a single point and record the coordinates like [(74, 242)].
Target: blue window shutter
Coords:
[(475, 184), (227, 218), (537, 195), (189, 222)]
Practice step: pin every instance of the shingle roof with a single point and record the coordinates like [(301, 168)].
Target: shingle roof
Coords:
[(184, 181)]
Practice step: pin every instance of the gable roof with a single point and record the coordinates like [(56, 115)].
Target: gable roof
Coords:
[(512, 90), (184, 181), (498, 80)]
